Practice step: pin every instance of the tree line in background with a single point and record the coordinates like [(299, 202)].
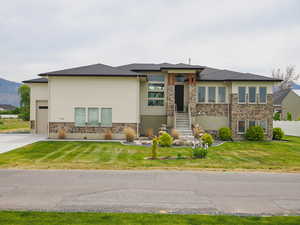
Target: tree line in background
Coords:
[(288, 76)]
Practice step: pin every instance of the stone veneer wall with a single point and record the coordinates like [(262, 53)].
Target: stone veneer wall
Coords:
[(212, 109), (89, 132), (251, 112)]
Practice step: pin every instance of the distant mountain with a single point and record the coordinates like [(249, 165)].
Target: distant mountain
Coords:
[(9, 92)]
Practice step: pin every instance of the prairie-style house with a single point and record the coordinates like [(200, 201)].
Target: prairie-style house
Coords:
[(87, 101)]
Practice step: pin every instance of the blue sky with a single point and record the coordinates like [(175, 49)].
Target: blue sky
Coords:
[(248, 36)]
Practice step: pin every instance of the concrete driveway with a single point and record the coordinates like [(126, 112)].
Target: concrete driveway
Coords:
[(151, 191), (12, 141)]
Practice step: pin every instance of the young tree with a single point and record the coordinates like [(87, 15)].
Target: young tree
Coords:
[(24, 92), (288, 76), (289, 116), (276, 116)]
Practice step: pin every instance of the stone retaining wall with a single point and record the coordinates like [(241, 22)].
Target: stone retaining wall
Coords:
[(89, 132)]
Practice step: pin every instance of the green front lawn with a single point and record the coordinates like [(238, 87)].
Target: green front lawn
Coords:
[(57, 218), (272, 156), (13, 125)]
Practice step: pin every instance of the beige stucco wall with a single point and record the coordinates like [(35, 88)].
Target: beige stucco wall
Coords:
[(119, 93), (291, 103), (38, 91)]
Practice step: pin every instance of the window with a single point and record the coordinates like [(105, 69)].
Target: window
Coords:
[(212, 94), (156, 88), (201, 94), (252, 123), (180, 78), (152, 94), (241, 126), (156, 78), (80, 116), (152, 102), (263, 95), (263, 124), (93, 116), (252, 94), (106, 117), (221, 94), (242, 94)]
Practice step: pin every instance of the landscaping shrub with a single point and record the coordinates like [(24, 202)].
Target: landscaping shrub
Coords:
[(289, 116), (154, 147), (207, 139), (278, 133), (108, 135), (199, 153), (255, 133), (165, 140), (225, 134), (61, 133), (149, 133), (276, 116), (129, 134), (175, 134)]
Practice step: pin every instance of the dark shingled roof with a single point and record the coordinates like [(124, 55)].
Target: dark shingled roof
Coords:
[(212, 74), (92, 70), (279, 95), (137, 69), (157, 67), (37, 80)]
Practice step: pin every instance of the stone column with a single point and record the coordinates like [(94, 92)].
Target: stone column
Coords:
[(192, 95), (170, 92)]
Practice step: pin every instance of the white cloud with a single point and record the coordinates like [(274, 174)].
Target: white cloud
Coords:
[(38, 36)]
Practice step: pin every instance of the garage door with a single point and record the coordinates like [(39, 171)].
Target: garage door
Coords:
[(42, 117)]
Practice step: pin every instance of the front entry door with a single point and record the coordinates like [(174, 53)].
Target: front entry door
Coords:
[(179, 96)]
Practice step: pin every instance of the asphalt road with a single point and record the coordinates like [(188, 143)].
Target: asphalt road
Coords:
[(151, 191)]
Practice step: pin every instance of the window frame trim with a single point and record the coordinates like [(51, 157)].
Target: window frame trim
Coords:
[(246, 95), (252, 103), (259, 102)]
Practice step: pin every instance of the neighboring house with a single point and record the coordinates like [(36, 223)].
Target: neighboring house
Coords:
[(86, 101), (287, 100), (5, 107)]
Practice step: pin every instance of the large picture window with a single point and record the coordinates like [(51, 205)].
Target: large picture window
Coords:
[(106, 117), (212, 94), (221, 94), (80, 117), (201, 94), (93, 116), (262, 95), (156, 90), (242, 94), (252, 94)]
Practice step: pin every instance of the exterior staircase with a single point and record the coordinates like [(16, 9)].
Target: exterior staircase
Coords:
[(183, 125)]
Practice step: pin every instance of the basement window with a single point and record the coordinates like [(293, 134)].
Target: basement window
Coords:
[(241, 126)]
